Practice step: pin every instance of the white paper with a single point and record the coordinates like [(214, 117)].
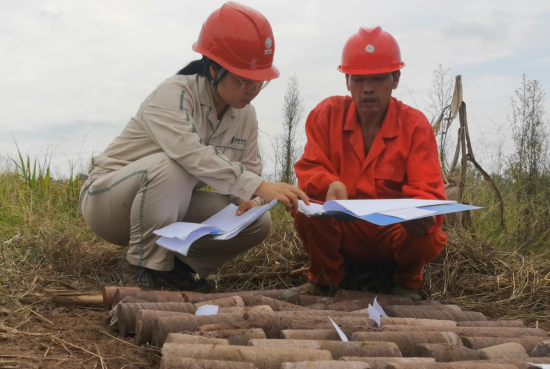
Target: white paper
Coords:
[(225, 224), (181, 230), (408, 214), (374, 314), (228, 220), (182, 246), (207, 310), (541, 366), (367, 207), (342, 335), (377, 306), (232, 233), (311, 209)]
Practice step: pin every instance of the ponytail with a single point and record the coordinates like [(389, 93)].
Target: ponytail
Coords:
[(195, 67), (200, 67)]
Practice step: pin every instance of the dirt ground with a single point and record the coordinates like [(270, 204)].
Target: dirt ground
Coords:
[(68, 338), (59, 337)]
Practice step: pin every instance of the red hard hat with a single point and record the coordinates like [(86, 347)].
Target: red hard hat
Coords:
[(241, 40), (371, 51)]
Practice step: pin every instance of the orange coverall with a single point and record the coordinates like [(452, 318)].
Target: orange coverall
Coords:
[(402, 163)]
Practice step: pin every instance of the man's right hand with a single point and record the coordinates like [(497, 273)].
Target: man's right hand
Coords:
[(337, 191), (283, 192)]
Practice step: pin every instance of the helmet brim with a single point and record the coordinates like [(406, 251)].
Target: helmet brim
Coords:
[(369, 71), (264, 74)]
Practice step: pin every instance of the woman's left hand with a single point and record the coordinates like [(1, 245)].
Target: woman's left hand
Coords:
[(246, 205)]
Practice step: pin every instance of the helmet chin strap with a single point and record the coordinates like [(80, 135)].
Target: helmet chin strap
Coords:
[(214, 81)]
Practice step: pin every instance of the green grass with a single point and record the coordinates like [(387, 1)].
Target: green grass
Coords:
[(504, 273), (527, 218)]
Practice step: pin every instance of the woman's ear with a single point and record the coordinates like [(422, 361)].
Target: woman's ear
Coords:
[(213, 72)]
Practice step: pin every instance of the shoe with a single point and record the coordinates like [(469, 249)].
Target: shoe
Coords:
[(314, 289), (414, 294), (182, 278), (138, 276)]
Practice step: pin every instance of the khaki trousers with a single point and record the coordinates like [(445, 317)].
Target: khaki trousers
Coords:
[(125, 207)]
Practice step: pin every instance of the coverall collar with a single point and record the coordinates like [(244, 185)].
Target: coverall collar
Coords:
[(205, 98), (390, 128)]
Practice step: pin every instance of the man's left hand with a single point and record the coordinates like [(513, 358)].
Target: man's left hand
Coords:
[(417, 227), (246, 205)]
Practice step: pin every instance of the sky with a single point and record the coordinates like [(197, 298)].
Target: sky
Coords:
[(74, 72)]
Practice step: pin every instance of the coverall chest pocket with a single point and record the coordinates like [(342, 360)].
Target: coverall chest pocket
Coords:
[(389, 179)]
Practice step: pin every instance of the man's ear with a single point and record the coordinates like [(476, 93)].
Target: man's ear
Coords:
[(396, 77), (347, 82)]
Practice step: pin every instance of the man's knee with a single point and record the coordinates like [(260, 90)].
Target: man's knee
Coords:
[(301, 221), (427, 246), (435, 243), (304, 223)]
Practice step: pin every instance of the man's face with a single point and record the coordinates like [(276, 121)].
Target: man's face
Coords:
[(372, 92)]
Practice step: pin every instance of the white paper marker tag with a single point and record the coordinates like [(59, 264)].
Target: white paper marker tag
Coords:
[(374, 315), (377, 306), (541, 366), (340, 333), (207, 310)]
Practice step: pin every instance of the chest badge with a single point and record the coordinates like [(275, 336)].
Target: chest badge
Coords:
[(238, 141)]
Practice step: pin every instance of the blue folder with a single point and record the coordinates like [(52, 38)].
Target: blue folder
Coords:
[(382, 220)]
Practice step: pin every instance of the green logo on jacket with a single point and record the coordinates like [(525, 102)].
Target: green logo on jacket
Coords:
[(238, 141)]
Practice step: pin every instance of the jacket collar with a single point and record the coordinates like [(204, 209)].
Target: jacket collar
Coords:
[(205, 97)]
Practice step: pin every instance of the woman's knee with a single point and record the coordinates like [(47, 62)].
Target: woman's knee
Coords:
[(265, 226), (257, 232), (163, 169)]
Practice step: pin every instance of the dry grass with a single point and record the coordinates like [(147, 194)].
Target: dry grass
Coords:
[(55, 249), (501, 284), (45, 243), (268, 266)]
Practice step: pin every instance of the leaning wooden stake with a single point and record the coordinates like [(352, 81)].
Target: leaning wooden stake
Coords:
[(464, 145)]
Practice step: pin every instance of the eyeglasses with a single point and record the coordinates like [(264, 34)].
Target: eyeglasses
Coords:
[(248, 86)]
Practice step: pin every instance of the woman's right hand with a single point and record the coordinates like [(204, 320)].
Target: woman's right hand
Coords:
[(283, 192)]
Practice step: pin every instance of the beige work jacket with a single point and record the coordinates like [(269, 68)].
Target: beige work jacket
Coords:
[(179, 118)]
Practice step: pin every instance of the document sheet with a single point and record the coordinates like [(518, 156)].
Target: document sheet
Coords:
[(224, 225), (382, 212)]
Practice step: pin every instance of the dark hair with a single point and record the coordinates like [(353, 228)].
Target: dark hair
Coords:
[(200, 67)]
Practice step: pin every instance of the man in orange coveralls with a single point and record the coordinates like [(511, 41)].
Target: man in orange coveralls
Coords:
[(369, 146)]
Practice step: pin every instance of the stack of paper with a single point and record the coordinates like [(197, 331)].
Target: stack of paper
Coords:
[(224, 225), (382, 212)]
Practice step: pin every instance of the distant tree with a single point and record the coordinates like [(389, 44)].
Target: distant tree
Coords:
[(288, 145), (530, 132), (440, 96), (261, 153), (441, 92)]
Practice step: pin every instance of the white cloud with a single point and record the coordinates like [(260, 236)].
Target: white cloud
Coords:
[(73, 73), (294, 30)]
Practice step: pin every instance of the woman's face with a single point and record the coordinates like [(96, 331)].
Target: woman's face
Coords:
[(237, 92)]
